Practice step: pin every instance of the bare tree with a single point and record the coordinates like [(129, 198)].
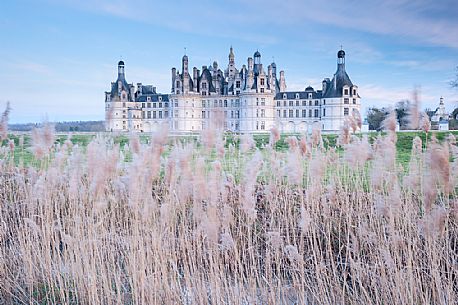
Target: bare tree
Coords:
[(454, 83)]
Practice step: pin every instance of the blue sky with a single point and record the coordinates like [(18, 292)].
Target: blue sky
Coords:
[(59, 56)]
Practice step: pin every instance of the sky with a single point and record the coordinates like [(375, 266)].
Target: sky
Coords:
[(60, 56)]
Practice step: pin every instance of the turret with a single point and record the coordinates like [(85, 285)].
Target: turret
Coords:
[(121, 70), (341, 59)]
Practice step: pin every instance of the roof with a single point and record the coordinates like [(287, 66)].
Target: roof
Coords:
[(153, 98), (335, 86), (302, 95)]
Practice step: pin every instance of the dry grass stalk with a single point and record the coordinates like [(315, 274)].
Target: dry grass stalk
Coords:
[(200, 224)]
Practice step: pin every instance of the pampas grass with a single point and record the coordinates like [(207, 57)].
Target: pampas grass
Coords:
[(198, 223)]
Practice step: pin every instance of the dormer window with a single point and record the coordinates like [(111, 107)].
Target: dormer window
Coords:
[(262, 81), (354, 91), (297, 96), (310, 95), (148, 98), (160, 98), (284, 96), (345, 91)]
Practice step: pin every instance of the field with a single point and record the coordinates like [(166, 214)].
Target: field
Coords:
[(223, 219)]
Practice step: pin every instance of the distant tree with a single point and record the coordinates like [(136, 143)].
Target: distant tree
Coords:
[(402, 110), (454, 83), (375, 117)]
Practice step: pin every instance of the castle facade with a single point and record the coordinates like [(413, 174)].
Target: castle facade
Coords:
[(249, 99)]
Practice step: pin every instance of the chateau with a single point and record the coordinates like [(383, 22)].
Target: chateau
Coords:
[(251, 99)]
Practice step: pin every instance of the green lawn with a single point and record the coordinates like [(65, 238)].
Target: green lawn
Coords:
[(404, 142)]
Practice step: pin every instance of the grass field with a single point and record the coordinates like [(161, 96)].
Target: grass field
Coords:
[(222, 220), (403, 144)]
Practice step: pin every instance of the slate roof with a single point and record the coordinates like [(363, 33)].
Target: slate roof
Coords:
[(291, 95), (335, 86), (153, 98)]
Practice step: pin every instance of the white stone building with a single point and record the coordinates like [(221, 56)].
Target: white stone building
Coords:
[(249, 99)]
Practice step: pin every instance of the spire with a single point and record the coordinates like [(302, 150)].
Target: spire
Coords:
[(231, 56)]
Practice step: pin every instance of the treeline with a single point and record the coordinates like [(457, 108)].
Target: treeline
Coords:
[(376, 115), (75, 126)]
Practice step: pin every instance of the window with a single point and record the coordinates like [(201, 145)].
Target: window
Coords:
[(284, 103), (149, 105), (143, 105), (225, 103), (346, 111), (324, 102), (237, 84), (316, 113), (160, 98), (304, 103), (291, 113), (316, 103), (204, 86), (178, 83), (304, 113), (310, 103), (297, 113), (160, 105), (220, 103), (154, 114), (262, 90), (278, 104), (215, 103), (297, 96), (262, 81), (284, 113), (346, 100), (278, 113), (291, 103), (263, 113), (124, 104), (148, 114), (354, 91), (310, 112), (345, 91), (166, 104), (310, 95), (297, 103), (257, 125), (166, 114), (284, 96), (263, 125), (324, 111), (263, 101), (354, 101)]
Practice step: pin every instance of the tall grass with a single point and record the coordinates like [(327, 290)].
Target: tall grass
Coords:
[(206, 224)]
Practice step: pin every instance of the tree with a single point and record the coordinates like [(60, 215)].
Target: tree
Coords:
[(454, 83), (375, 117), (402, 111)]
